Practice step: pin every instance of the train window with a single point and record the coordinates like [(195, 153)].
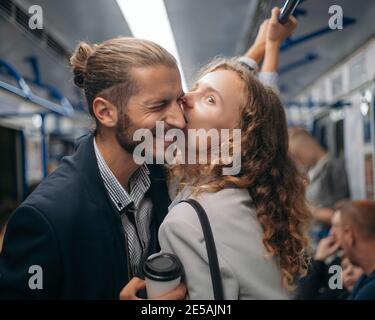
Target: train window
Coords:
[(11, 165)]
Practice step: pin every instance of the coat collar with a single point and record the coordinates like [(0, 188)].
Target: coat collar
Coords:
[(87, 166)]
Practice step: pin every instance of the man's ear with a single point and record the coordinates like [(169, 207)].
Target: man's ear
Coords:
[(105, 112), (350, 237)]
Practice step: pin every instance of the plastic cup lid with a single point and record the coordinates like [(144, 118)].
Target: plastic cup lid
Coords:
[(163, 267)]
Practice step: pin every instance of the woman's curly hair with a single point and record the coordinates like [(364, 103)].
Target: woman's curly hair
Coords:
[(267, 171)]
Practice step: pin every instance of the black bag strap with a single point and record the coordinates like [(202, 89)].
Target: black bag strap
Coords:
[(211, 249)]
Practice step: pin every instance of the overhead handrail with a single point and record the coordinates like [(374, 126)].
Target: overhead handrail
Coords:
[(11, 71), (323, 104), (308, 58), (64, 108), (52, 91), (291, 42)]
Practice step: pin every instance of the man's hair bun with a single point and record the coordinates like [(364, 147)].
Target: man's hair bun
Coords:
[(78, 60)]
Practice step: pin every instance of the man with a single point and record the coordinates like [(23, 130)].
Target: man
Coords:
[(357, 238), (84, 231), (315, 285)]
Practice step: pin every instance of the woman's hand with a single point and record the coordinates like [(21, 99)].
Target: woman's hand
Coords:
[(256, 51), (277, 32), (270, 36), (129, 292)]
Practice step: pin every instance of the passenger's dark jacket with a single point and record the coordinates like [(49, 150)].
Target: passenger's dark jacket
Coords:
[(315, 285), (69, 227), (364, 288)]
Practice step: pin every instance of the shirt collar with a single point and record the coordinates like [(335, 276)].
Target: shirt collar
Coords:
[(139, 183)]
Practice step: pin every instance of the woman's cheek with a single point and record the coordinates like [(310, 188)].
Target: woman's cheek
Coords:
[(198, 116), (208, 120)]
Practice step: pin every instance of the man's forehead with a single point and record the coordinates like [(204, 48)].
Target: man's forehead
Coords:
[(162, 74), (157, 82)]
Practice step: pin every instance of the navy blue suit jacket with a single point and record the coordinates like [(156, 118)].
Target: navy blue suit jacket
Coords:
[(69, 227)]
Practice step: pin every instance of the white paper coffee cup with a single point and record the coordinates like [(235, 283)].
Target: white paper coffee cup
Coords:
[(163, 272)]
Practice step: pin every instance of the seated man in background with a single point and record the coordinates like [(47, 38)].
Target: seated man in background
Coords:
[(357, 238), (316, 284)]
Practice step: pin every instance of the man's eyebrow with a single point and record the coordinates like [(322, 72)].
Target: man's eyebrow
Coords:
[(153, 101), (163, 99)]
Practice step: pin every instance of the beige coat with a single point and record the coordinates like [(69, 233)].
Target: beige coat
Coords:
[(246, 271)]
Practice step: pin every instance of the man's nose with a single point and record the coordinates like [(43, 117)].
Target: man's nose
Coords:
[(175, 117)]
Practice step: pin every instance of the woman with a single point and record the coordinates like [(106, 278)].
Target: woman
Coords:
[(258, 217)]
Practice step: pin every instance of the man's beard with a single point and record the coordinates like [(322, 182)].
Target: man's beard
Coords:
[(125, 129)]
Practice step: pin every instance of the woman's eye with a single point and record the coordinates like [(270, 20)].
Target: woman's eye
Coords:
[(211, 100)]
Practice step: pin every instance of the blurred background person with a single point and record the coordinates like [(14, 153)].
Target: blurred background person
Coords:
[(350, 274), (315, 285), (357, 238), (328, 182), (327, 178)]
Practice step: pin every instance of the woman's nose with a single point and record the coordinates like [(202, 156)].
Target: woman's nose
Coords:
[(188, 101)]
